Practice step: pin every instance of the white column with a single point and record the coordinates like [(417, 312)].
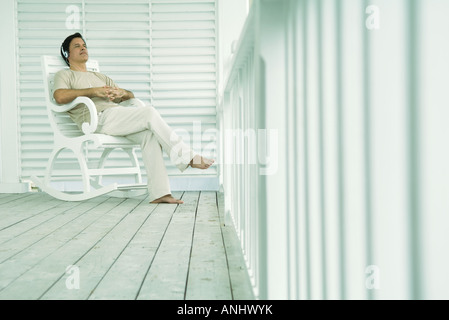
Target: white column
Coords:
[(9, 139), (272, 49), (388, 125), (433, 129)]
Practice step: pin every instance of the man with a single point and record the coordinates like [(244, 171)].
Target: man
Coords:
[(141, 125)]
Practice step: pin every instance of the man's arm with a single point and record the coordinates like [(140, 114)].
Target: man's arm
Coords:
[(64, 96)]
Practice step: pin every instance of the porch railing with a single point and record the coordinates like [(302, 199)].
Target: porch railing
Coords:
[(334, 156), (238, 124)]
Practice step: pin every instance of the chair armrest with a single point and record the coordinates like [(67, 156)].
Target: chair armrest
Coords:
[(87, 127)]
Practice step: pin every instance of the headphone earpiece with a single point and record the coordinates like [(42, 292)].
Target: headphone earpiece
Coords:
[(64, 53)]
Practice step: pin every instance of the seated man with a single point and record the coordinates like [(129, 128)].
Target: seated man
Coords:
[(141, 125)]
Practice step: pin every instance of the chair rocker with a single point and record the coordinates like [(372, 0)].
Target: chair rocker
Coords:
[(68, 136)]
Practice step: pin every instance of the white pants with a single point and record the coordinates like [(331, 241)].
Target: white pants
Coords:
[(145, 126)]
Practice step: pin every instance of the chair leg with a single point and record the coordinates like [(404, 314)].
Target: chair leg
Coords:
[(103, 158), (84, 169), (82, 163), (51, 162), (134, 162)]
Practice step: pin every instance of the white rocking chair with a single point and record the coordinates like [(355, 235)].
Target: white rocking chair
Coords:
[(68, 136)]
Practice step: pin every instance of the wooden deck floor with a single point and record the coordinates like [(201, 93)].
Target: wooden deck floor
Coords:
[(119, 249)]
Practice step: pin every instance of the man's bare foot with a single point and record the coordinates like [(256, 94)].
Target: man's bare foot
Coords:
[(200, 162), (167, 199)]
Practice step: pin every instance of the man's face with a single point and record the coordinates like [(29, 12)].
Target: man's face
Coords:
[(78, 51)]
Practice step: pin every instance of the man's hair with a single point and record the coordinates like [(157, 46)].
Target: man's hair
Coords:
[(65, 47)]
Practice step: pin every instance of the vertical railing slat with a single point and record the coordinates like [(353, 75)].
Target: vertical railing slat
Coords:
[(330, 137)]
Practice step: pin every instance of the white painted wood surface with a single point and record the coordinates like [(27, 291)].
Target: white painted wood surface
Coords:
[(123, 249)]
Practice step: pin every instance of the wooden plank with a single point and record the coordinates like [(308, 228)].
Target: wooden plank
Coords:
[(19, 243), (98, 260), (25, 208), (30, 256), (166, 279), (24, 202), (43, 214), (36, 281), (37, 204), (130, 269), (4, 197), (208, 271), (9, 197), (238, 273), (124, 249)]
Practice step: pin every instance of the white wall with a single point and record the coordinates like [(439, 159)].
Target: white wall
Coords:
[(9, 145), (231, 18)]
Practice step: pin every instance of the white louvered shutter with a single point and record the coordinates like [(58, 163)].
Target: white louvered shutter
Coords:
[(163, 51), (183, 58)]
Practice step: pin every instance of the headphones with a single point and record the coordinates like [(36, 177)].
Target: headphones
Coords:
[(64, 53), (66, 44)]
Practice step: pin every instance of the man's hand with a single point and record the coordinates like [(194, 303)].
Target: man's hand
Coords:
[(99, 92), (63, 96), (115, 94), (110, 93)]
